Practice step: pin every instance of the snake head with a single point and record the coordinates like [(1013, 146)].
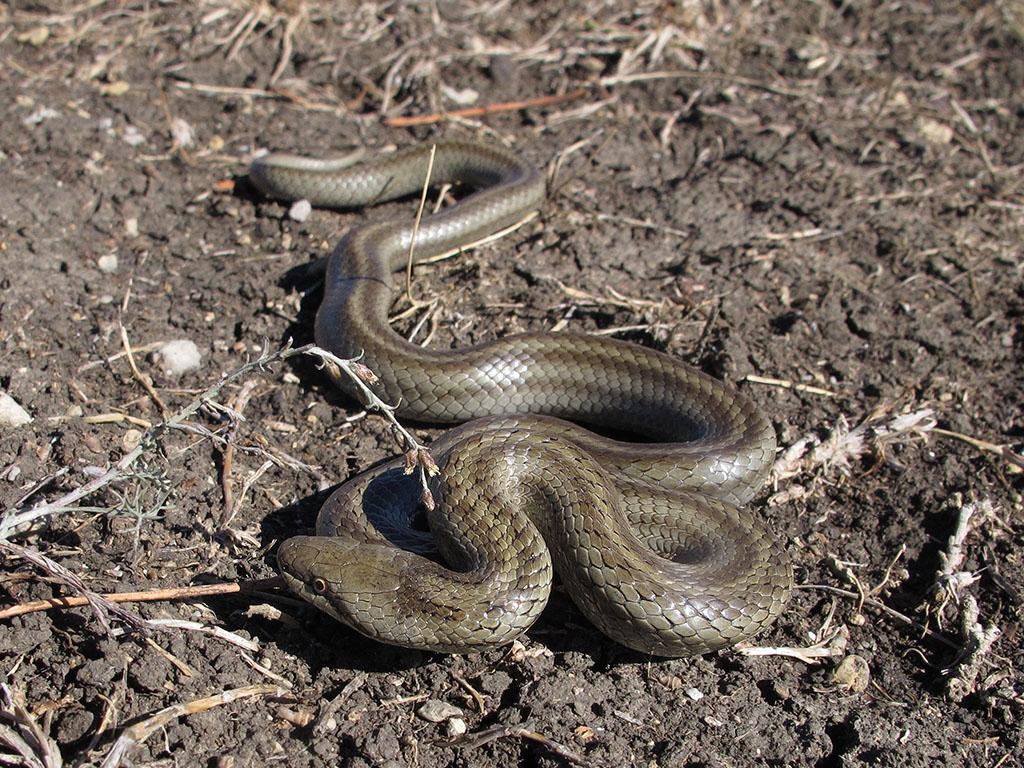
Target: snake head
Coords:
[(340, 577)]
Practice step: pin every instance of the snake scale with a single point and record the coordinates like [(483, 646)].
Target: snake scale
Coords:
[(648, 538)]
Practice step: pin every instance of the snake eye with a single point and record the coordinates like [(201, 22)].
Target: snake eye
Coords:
[(319, 586)]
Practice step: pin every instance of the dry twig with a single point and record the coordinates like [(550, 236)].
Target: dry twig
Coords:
[(1003, 451), (488, 109), (951, 579), (488, 735), (147, 596), (136, 734), (949, 596), (417, 457)]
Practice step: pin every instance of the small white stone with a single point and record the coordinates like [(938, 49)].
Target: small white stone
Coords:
[(178, 357), (694, 694), (131, 439), (11, 413), (43, 113), (108, 263), (853, 674), (437, 711), (181, 132), (456, 727), (133, 136), (933, 131), (463, 97), (300, 210)]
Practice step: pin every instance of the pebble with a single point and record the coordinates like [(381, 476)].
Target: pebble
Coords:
[(43, 113), (178, 357), (437, 711), (694, 694), (853, 674), (131, 439), (462, 98), (933, 131), (182, 133), (300, 210), (11, 413), (108, 263), (456, 727), (133, 136)]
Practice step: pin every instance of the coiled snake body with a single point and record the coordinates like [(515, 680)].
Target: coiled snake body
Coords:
[(648, 538)]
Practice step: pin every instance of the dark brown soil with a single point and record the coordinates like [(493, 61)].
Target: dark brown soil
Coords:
[(828, 194)]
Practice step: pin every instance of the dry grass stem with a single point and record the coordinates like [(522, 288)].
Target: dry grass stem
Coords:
[(177, 663), (645, 77), (826, 642), (267, 673), (237, 405), (477, 697), (1016, 460), (101, 607), (643, 224), (786, 384), (327, 711), (136, 734), (417, 457), (22, 741), (844, 446), (142, 378), (416, 227), (478, 243), (810, 654), (480, 738), (878, 605), (977, 641), (144, 348)]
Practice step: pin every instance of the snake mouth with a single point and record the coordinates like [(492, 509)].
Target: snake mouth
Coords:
[(293, 561), (298, 560)]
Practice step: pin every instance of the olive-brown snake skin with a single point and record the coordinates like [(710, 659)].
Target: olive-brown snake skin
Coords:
[(647, 538)]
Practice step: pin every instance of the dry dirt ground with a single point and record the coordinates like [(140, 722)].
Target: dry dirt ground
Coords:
[(822, 202)]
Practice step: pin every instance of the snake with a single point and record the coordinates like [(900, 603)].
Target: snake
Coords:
[(617, 467)]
